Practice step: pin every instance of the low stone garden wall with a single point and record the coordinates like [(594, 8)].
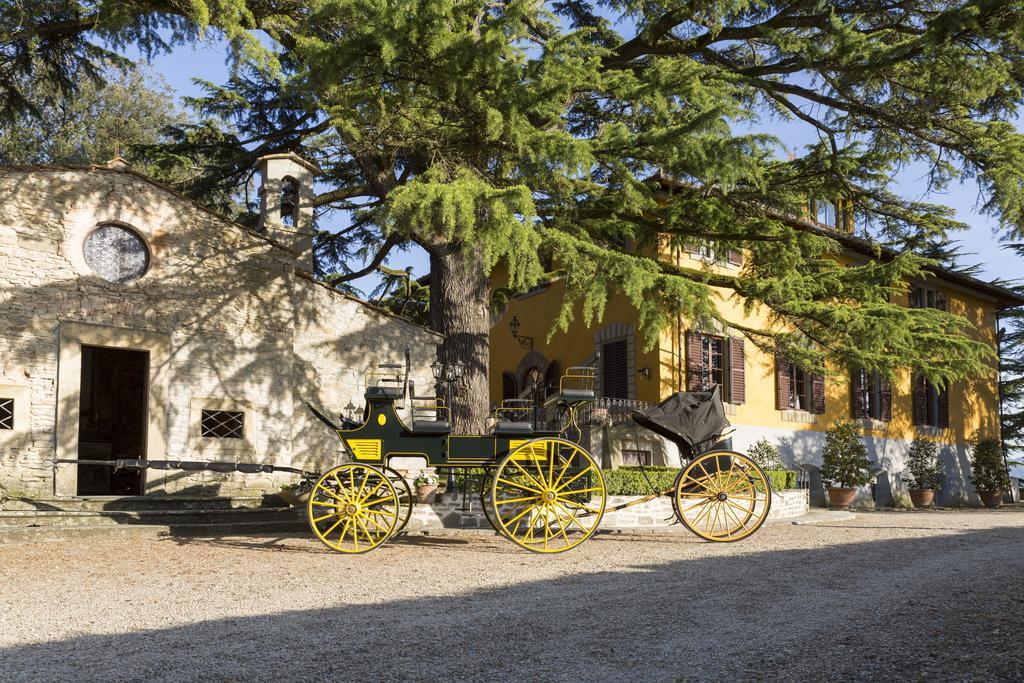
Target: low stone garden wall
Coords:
[(447, 513)]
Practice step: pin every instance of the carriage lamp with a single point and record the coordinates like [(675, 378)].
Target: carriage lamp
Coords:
[(525, 342), (436, 368), (644, 372)]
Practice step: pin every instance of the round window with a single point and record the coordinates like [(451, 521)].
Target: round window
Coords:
[(116, 254)]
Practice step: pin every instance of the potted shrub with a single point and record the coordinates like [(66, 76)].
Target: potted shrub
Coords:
[(845, 465), (988, 472), (925, 472), (296, 494), (426, 488)]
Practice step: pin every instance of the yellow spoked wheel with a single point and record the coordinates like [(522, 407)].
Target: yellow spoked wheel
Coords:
[(722, 496), (405, 498), (353, 508), (548, 495)]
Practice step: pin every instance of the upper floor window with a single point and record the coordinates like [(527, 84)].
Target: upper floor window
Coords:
[(707, 251), (116, 253), (925, 297), (871, 396), (716, 361), (931, 404), (712, 351), (797, 389), (824, 212)]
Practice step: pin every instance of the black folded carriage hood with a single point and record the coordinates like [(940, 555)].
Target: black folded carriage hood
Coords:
[(690, 419)]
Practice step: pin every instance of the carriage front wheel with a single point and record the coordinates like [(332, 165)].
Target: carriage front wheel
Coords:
[(722, 496), (548, 495), (353, 508)]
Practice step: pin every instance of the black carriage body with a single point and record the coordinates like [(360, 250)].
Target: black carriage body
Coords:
[(384, 435)]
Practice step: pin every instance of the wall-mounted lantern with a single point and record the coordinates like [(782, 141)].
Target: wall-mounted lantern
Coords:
[(525, 342)]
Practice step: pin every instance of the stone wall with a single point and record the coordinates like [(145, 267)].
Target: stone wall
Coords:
[(230, 323)]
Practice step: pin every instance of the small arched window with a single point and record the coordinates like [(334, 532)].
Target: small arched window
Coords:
[(289, 200), (116, 253)]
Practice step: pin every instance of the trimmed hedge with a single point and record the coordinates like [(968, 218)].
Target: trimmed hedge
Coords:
[(782, 479), (629, 481)]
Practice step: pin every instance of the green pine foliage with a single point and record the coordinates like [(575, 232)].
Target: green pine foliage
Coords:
[(845, 461), (923, 465), (596, 135)]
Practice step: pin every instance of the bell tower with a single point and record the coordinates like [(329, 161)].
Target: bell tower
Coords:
[(286, 203)]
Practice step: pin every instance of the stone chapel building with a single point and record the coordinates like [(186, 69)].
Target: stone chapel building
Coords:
[(134, 323)]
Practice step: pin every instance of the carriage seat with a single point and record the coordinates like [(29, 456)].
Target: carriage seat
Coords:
[(430, 416), (508, 427), (431, 426), (576, 395), (379, 391)]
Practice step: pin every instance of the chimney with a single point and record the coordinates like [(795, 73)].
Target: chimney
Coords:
[(286, 203)]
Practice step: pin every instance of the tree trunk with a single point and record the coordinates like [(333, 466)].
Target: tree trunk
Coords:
[(459, 297)]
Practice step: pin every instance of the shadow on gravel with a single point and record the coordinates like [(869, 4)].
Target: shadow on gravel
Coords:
[(941, 607)]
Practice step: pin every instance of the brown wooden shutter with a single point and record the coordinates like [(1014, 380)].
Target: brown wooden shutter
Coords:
[(736, 257), (614, 363), (885, 407), (508, 385), (818, 394), (694, 361), (920, 400), (944, 407), (552, 377), (737, 371), (782, 389), (857, 386)]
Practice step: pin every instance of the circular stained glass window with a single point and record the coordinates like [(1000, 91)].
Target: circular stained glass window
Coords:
[(116, 254)]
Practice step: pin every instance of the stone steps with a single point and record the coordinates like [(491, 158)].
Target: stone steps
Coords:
[(141, 503), (36, 518), (42, 534)]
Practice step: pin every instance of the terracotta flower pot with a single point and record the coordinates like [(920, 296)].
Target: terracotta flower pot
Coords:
[(991, 499), (425, 494), (922, 498), (841, 498)]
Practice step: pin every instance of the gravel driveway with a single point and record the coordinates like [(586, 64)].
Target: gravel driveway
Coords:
[(915, 596)]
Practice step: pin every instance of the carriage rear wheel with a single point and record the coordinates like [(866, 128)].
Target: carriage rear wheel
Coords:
[(548, 495), (722, 496), (353, 508)]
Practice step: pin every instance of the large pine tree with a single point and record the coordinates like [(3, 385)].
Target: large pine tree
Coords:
[(527, 133)]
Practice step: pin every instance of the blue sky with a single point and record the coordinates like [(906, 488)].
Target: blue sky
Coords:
[(207, 61)]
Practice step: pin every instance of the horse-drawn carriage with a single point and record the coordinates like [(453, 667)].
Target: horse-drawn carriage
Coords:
[(540, 488)]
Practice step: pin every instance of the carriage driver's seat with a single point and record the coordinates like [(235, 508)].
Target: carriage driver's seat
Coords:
[(576, 385), (513, 417), (431, 416)]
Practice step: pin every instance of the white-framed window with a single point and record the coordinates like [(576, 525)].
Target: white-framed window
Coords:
[(801, 395), (824, 212), (927, 297)]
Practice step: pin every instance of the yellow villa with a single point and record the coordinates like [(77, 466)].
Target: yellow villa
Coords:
[(765, 396)]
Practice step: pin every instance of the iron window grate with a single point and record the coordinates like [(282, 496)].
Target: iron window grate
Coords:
[(6, 413), (223, 424)]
